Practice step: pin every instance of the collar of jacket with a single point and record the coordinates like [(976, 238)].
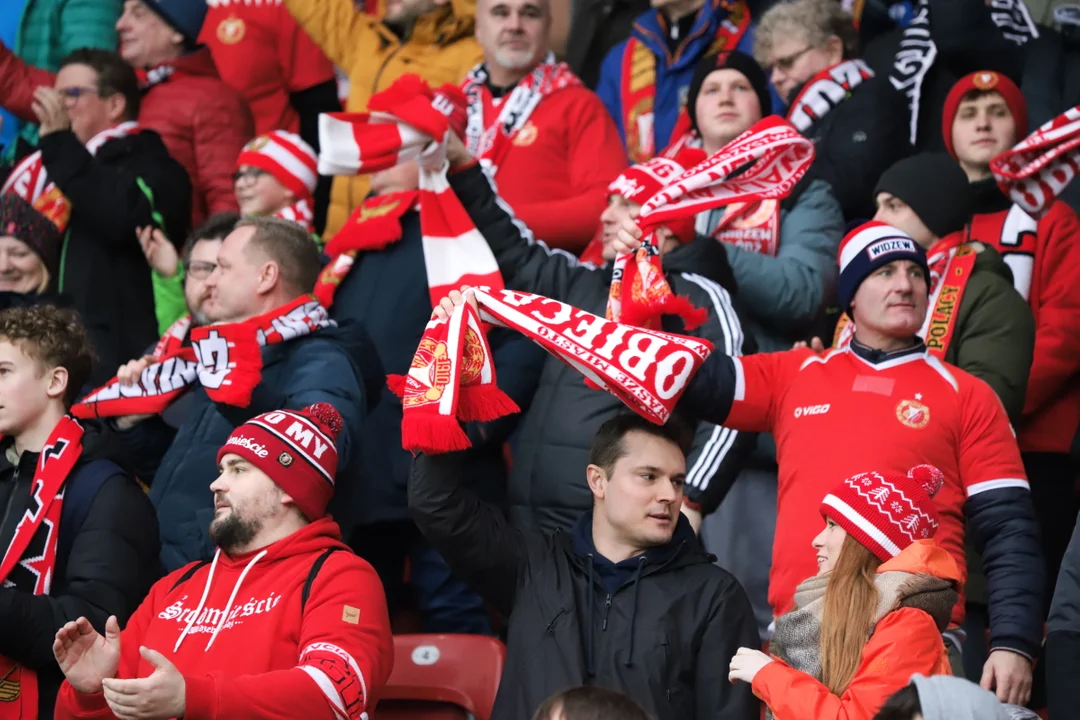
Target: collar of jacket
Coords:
[(651, 28), (988, 198), (877, 357)]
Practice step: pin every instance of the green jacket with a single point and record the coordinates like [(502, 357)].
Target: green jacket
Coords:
[(995, 333)]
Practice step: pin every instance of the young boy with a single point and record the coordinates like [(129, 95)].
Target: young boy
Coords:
[(276, 175), (81, 537)]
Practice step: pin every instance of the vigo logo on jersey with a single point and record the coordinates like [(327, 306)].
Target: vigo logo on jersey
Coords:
[(913, 414), (807, 410), (209, 617)]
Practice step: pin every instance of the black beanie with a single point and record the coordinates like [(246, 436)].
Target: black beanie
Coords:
[(734, 60), (935, 187), (20, 220)]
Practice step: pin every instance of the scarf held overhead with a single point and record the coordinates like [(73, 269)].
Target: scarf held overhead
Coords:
[(407, 122), (1036, 171), (225, 359), (452, 376), (763, 163)]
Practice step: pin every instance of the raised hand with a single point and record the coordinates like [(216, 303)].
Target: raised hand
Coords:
[(51, 112), (160, 254), (85, 656), (446, 306), (157, 697)]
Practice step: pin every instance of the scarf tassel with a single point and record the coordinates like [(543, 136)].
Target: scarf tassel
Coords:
[(670, 304), (484, 403)]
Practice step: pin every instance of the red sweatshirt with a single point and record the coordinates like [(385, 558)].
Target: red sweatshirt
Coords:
[(556, 173), (236, 631)]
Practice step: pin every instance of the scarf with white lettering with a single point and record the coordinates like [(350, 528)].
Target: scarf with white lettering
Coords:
[(30, 181), (825, 91), (917, 50), (30, 560), (408, 121), (1036, 171), (488, 137), (225, 359), (763, 163), (452, 376)]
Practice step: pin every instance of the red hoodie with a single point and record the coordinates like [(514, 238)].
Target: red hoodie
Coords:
[(236, 631)]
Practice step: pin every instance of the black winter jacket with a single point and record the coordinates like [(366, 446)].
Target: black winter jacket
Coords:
[(1063, 636), (665, 637), (103, 268), (387, 292), (112, 564), (546, 489)]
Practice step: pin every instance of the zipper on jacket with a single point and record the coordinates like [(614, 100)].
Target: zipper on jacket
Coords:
[(550, 630), (607, 609)]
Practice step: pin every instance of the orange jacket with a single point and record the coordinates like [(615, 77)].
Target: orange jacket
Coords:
[(906, 641)]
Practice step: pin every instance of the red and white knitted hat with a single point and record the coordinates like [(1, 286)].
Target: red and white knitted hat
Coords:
[(285, 156), (886, 513), (640, 182), (296, 449)]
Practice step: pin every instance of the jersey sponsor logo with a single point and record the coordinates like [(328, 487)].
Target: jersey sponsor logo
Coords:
[(807, 410), (890, 245), (913, 414)]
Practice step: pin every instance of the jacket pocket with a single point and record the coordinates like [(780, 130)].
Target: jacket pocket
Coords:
[(667, 676)]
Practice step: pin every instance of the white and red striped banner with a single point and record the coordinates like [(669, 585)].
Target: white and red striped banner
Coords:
[(1036, 171)]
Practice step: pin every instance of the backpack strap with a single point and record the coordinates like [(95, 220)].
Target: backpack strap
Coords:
[(78, 496), (188, 573), (312, 574)]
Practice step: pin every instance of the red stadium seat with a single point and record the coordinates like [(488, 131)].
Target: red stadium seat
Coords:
[(442, 677)]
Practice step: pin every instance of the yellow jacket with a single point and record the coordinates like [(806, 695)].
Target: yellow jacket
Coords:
[(441, 49)]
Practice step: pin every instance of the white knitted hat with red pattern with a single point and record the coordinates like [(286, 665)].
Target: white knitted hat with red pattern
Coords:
[(285, 156)]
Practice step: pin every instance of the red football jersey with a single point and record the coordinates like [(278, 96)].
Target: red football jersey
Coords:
[(837, 415)]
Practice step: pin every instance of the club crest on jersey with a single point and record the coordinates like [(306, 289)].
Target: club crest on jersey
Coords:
[(913, 414), (890, 245)]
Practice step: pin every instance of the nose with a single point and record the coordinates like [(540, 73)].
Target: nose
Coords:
[(818, 542), (666, 492), (219, 485), (879, 216), (514, 22), (608, 215), (776, 76), (5, 262)]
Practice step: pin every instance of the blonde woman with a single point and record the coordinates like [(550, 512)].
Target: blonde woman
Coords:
[(29, 252), (872, 616)]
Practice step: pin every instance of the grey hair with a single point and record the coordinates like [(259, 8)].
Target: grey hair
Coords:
[(815, 20)]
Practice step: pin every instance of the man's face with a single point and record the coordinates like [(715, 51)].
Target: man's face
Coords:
[(21, 269), (25, 388), (146, 39), (892, 300), (726, 107), (235, 284), (983, 128), (513, 33), (244, 499), (893, 211), (202, 262), (258, 192), (618, 208), (401, 12), (793, 61), (89, 112), (642, 498)]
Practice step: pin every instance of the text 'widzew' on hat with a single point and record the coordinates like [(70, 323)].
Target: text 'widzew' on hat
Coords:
[(868, 247)]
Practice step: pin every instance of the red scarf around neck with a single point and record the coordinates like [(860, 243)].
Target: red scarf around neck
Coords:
[(225, 359), (299, 212), (1036, 171), (30, 560), (493, 123)]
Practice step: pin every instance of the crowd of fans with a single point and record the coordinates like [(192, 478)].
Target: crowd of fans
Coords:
[(225, 224)]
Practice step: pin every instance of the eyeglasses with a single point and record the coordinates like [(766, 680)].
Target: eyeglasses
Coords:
[(200, 269), (74, 93), (252, 172), (787, 62)]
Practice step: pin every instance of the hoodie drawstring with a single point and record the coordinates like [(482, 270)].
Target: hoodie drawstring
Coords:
[(202, 602), (633, 612), (236, 589), (590, 668)]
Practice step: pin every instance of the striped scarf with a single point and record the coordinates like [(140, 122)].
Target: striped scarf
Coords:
[(1038, 169)]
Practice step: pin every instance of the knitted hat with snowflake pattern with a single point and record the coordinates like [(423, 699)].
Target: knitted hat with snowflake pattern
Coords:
[(886, 513)]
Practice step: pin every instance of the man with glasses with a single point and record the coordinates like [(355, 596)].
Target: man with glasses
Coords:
[(857, 121), (99, 176)]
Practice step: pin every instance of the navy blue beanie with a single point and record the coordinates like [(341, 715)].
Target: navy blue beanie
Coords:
[(184, 16), (868, 247)]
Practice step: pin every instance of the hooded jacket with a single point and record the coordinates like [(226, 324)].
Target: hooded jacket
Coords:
[(905, 641), (546, 489), (335, 365), (439, 47), (661, 627), (112, 562), (249, 647), (203, 122)]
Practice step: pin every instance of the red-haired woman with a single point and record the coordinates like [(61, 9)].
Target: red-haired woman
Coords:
[(873, 614)]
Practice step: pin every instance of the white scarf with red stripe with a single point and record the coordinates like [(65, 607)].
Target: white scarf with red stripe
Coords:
[(408, 121), (1036, 171), (299, 212), (30, 181)]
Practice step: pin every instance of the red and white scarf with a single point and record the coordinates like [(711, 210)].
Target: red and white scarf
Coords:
[(1036, 171), (452, 376), (408, 121), (30, 181), (762, 164), (225, 359), (299, 212), (825, 91), (30, 559), (489, 137)]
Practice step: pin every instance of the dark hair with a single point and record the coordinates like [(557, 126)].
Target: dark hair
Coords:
[(976, 93), (216, 227), (55, 337), (607, 445), (903, 705), (114, 76), (290, 246), (589, 702)]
